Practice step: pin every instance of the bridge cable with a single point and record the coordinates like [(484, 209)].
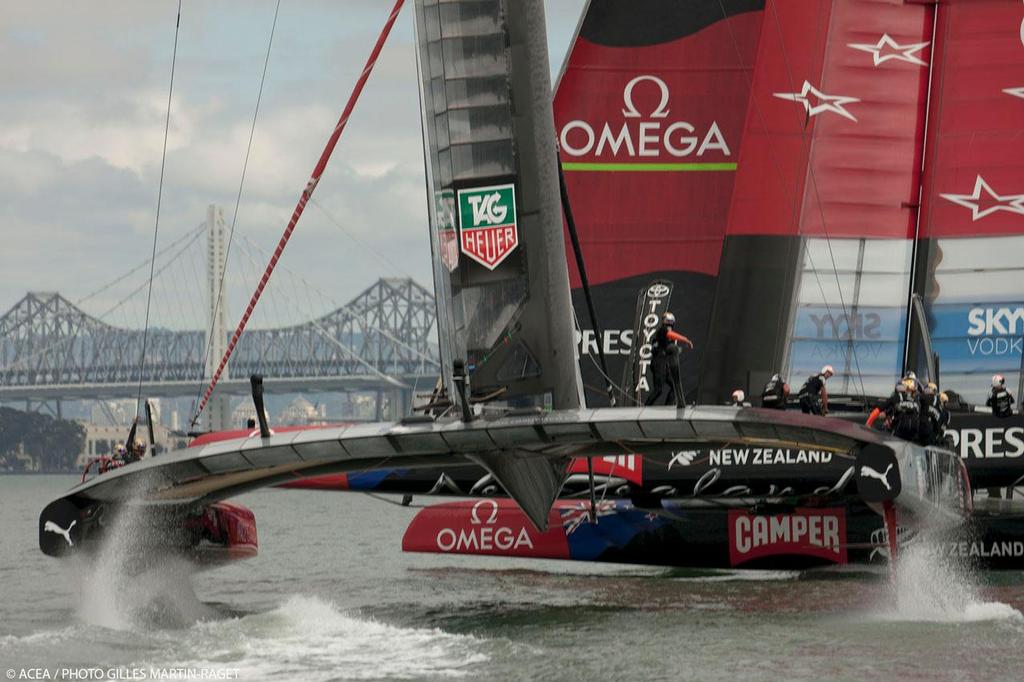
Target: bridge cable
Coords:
[(307, 192), (238, 201), (343, 307), (159, 197)]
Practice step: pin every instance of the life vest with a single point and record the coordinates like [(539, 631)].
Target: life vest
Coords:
[(1001, 401), (774, 393)]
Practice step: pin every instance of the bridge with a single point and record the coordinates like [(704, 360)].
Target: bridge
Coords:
[(382, 340)]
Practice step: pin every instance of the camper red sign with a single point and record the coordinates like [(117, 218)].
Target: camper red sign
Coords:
[(806, 532)]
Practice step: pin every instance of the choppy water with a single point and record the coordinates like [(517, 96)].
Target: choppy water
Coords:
[(332, 596)]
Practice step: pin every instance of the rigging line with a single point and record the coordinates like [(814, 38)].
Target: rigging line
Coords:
[(814, 183), (307, 192), (389, 263), (345, 307), (601, 371), (317, 327), (159, 198), (794, 208), (238, 201)]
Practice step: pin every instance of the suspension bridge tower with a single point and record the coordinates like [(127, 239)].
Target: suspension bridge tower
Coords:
[(218, 412)]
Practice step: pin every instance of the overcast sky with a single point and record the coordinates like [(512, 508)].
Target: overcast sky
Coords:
[(83, 95)]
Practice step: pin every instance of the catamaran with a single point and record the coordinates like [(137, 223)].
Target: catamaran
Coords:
[(790, 179)]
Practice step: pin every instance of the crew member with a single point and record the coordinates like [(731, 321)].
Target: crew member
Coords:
[(738, 399), (775, 393), (934, 415), (1000, 399), (119, 457), (665, 364), (138, 450), (813, 394), (904, 410)]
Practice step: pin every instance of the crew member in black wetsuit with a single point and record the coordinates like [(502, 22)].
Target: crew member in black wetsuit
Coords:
[(934, 416), (813, 394), (665, 364), (775, 393), (1000, 399), (904, 410)]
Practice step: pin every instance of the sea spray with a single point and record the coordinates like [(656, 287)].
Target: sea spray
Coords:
[(931, 586), (131, 582)]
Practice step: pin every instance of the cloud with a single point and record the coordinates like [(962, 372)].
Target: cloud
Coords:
[(83, 97)]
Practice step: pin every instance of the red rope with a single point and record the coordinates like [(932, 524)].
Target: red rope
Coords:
[(303, 199)]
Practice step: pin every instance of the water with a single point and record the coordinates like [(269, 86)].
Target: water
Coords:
[(332, 596)]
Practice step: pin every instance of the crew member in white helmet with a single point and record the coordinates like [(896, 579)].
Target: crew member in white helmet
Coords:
[(813, 394), (999, 399)]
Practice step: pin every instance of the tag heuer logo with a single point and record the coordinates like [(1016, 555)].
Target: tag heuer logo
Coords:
[(487, 221), (448, 243)]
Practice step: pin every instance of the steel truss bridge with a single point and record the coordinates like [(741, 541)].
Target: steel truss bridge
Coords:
[(381, 340)]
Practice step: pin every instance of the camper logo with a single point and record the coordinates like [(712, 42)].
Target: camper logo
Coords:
[(487, 223)]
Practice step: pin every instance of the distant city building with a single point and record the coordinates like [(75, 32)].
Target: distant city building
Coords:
[(301, 411), (100, 439)]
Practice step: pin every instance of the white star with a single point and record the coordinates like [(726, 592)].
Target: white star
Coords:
[(904, 53), (1011, 203), (1014, 92), (833, 103)]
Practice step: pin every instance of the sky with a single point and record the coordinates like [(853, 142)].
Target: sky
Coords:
[(83, 101)]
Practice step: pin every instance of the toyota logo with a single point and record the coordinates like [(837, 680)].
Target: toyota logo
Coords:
[(658, 290)]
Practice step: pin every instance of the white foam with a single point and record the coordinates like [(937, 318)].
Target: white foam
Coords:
[(931, 588), (117, 594), (750, 575), (310, 637)]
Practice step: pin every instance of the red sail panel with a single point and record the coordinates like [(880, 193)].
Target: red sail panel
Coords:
[(833, 138), (649, 112), (650, 125), (829, 165), (773, 162), (865, 156), (974, 180), (971, 255)]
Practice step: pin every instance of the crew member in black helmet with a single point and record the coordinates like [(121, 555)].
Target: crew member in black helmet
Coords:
[(665, 363), (775, 393), (904, 410), (1000, 399), (813, 394), (934, 415)]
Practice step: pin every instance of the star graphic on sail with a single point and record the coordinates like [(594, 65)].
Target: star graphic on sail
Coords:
[(1014, 92), (833, 103), (984, 201), (886, 48)]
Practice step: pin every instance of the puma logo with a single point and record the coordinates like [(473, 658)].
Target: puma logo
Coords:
[(54, 528), (883, 477)]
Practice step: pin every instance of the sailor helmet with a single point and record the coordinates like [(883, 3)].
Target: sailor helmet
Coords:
[(827, 370), (998, 380), (668, 318), (738, 395)]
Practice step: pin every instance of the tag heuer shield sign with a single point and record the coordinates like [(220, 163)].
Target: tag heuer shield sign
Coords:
[(448, 243), (487, 222)]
